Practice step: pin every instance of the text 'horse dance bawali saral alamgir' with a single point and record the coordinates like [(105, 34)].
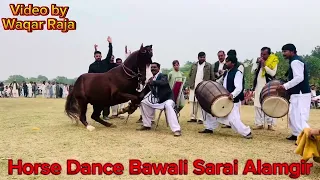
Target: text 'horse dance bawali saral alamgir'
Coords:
[(119, 85)]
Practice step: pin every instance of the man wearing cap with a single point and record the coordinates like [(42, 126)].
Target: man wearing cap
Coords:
[(299, 91)]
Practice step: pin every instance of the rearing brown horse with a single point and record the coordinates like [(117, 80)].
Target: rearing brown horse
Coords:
[(119, 85)]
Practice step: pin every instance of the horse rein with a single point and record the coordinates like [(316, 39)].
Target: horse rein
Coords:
[(133, 74)]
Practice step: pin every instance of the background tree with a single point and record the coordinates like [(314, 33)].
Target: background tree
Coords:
[(17, 78)]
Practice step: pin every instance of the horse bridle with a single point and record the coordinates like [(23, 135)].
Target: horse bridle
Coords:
[(133, 74)]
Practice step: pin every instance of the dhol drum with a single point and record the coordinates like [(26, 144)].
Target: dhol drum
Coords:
[(274, 102), (213, 98)]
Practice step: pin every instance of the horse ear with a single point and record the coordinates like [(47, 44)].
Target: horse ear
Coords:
[(141, 47)]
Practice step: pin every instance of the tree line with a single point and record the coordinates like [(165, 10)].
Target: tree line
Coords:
[(312, 61), (39, 79)]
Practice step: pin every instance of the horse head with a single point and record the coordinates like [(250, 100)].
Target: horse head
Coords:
[(144, 59), (136, 63)]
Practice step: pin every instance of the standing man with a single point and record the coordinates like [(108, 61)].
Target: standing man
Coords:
[(102, 66), (200, 71), (175, 73), (265, 70), (240, 67), (160, 97), (219, 66), (299, 91), (233, 81)]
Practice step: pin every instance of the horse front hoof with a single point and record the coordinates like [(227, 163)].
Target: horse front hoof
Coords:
[(90, 128)]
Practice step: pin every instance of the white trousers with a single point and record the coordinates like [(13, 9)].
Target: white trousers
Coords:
[(148, 111), (261, 117), (196, 111), (233, 119), (299, 110)]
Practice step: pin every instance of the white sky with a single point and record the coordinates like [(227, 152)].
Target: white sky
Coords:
[(177, 29)]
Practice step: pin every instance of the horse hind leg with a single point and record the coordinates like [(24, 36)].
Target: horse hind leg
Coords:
[(83, 111)]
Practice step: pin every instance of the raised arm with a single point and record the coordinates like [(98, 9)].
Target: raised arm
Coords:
[(95, 48), (109, 55)]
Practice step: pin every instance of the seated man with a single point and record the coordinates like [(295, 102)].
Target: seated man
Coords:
[(160, 97)]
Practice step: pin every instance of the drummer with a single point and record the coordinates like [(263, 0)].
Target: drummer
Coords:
[(264, 70), (233, 81), (299, 90), (240, 67)]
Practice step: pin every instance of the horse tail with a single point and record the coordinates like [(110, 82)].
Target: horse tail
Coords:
[(72, 108)]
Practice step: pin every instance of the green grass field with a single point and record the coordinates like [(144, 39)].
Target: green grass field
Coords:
[(37, 130)]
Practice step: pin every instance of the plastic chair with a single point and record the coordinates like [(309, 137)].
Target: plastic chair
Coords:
[(177, 93)]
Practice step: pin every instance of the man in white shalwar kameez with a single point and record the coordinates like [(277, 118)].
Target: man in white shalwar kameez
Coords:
[(299, 89), (264, 69), (160, 97), (54, 89), (29, 89), (47, 86), (233, 82), (15, 91), (43, 89), (200, 71)]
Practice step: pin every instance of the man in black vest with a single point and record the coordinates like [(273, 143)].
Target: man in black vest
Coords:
[(233, 81), (240, 67), (160, 97), (299, 91), (219, 67), (102, 66)]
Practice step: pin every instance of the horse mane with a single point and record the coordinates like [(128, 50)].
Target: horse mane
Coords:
[(133, 55)]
